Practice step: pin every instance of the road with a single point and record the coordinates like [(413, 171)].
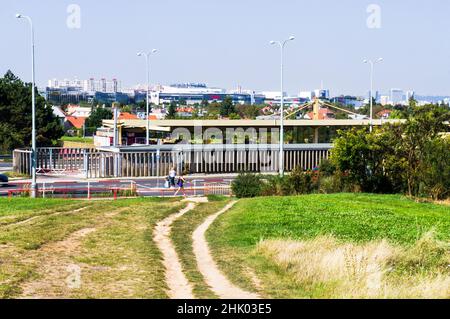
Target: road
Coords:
[(5, 167), (145, 187)]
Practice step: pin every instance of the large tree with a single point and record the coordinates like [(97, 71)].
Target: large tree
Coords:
[(98, 114), (411, 157), (172, 110), (15, 116), (227, 107)]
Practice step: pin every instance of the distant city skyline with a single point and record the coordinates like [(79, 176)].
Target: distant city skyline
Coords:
[(226, 44)]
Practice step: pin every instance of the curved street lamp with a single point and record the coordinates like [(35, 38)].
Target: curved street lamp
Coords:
[(33, 109), (147, 61), (372, 64), (282, 44)]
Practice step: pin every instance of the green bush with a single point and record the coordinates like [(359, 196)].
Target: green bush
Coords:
[(276, 185), (327, 168), (247, 185), (435, 169), (296, 183), (330, 184), (303, 182)]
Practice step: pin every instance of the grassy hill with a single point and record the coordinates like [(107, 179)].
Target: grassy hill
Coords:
[(334, 246)]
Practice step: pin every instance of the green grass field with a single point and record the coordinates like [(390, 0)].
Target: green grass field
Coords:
[(313, 246), (270, 235), (88, 140), (110, 241)]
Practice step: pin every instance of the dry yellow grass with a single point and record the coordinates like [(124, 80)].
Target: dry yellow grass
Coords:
[(370, 270)]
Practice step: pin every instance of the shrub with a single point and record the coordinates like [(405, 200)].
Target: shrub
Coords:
[(327, 168), (276, 185), (435, 169), (247, 185), (296, 183), (330, 184), (303, 182)]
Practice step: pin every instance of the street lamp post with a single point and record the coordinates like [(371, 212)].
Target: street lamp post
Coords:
[(33, 110), (282, 44), (372, 64), (147, 58)]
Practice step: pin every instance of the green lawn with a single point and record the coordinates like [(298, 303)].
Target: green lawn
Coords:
[(349, 218), (19, 209), (88, 140), (117, 255)]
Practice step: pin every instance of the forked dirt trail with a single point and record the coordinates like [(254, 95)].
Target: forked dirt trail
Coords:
[(179, 286), (219, 284)]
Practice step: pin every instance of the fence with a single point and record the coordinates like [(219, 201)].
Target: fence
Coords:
[(110, 189), (52, 160), (157, 160)]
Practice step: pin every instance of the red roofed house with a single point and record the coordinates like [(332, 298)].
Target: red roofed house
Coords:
[(127, 116), (324, 114), (384, 114), (74, 122)]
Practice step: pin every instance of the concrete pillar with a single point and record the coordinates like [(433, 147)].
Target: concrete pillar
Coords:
[(316, 135)]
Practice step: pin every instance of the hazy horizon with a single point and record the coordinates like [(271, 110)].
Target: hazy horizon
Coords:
[(226, 44)]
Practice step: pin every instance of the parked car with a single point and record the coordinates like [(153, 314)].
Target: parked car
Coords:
[(3, 180)]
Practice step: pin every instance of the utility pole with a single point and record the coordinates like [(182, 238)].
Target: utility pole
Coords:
[(33, 110), (372, 64), (282, 44), (147, 62)]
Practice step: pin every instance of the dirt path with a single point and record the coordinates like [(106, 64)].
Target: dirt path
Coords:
[(219, 284), (179, 286), (55, 261)]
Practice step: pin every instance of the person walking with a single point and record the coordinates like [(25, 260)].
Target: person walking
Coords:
[(172, 175), (180, 184)]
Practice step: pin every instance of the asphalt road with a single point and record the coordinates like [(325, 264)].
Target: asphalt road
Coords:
[(5, 167), (145, 187)]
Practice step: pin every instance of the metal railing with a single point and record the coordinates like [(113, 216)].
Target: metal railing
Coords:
[(158, 160), (110, 189)]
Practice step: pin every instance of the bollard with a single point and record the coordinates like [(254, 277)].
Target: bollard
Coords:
[(89, 190)]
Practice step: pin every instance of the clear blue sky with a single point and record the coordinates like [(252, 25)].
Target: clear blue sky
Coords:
[(226, 43)]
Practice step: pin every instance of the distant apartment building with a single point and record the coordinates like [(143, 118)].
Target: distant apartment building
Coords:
[(66, 95), (309, 95), (322, 94), (385, 100), (91, 85), (409, 95), (273, 95), (75, 91), (318, 93), (397, 96), (376, 95)]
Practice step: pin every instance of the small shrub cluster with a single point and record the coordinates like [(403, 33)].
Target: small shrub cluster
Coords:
[(247, 185), (298, 182)]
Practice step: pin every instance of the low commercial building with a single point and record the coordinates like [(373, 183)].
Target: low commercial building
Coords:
[(196, 93)]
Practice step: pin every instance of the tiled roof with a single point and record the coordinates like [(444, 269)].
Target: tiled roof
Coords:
[(76, 122), (127, 116)]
